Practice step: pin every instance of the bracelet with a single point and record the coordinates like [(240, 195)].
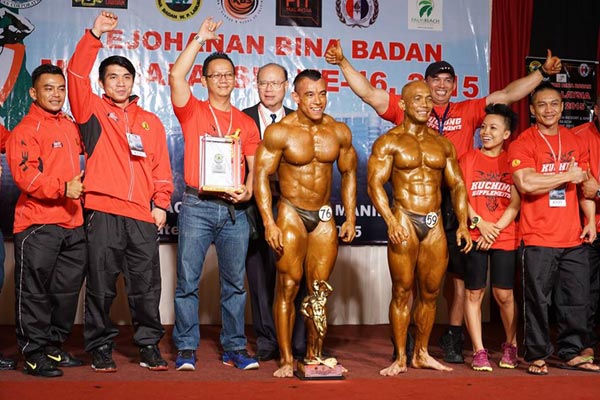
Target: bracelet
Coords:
[(543, 72), (198, 39)]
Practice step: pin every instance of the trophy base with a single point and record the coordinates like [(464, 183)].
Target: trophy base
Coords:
[(317, 372)]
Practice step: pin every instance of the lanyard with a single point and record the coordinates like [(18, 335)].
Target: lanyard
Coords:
[(442, 120), (217, 122), (556, 159)]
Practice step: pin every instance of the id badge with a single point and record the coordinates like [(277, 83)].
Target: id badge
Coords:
[(136, 147), (558, 197)]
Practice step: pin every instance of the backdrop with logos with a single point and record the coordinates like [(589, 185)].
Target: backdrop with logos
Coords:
[(390, 41)]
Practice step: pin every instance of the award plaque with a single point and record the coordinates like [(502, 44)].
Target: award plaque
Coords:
[(220, 163)]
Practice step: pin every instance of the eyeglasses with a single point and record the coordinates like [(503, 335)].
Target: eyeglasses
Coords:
[(273, 84), (217, 76)]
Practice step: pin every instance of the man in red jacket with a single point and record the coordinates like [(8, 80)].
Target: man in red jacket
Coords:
[(50, 254), (128, 189)]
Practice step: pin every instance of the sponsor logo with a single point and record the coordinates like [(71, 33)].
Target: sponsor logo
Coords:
[(50, 356), (515, 163), (30, 365), (56, 145), (100, 3), (425, 15), (425, 8), (20, 3), (306, 13), (240, 11), (179, 10), (145, 126), (584, 70), (361, 13)]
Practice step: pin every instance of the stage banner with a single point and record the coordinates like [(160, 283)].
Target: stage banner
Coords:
[(577, 85), (390, 41)]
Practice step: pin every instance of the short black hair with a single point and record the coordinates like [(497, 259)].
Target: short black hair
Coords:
[(544, 86), (285, 74), (115, 60), (217, 55), (45, 69), (311, 74), (510, 117)]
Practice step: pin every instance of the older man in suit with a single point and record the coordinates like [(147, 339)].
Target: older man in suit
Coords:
[(272, 82)]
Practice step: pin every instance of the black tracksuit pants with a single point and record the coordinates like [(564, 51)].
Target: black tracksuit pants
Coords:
[(49, 269), (560, 275), (116, 245)]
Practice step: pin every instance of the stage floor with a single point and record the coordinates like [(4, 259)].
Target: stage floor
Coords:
[(363, 350)]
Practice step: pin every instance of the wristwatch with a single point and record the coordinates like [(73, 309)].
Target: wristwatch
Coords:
[(475, 220)]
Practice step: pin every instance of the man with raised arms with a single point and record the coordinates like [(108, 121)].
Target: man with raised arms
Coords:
[(302, 149), (417, 161), (456, 121)]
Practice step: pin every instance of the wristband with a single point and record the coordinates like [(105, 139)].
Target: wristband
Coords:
[(545, 75), (198, 39), (94, 35)]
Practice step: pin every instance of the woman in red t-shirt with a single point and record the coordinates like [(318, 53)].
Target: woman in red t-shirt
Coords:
[(493, 205)]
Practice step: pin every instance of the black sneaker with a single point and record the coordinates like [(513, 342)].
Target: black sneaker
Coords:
[(62, 358), (267, 355), (37, 364), (102, 360), (452, 344), (151, 359), (7, 363)]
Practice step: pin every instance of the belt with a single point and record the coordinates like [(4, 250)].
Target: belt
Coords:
[(217, 200)]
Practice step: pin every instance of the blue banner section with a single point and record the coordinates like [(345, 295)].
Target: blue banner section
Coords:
[(390, 41)]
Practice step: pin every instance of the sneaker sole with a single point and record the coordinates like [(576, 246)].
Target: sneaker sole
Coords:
[(484, 369), (507, 366), (32, 373), (246, 368), (186, 367), (104, 370), (156, 368)]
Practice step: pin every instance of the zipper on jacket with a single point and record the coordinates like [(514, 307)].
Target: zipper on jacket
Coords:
[(132, 179)]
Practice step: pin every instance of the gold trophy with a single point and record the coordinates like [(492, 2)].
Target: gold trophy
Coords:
[(314, 366)]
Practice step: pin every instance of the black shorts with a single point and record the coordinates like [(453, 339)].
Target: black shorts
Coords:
[(457, 260), (503, 266)]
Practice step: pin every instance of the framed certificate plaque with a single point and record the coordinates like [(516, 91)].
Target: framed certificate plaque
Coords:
[(220, 163)]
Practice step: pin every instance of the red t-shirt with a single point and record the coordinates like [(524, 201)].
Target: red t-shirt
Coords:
[(590, 135), (542, 225), (488, 181), (460, 120), (197, 120), (3, 137)]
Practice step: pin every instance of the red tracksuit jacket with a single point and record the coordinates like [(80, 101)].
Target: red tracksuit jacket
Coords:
[(43, 154), (116, 181)]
